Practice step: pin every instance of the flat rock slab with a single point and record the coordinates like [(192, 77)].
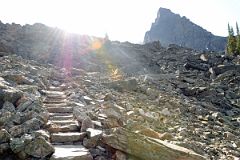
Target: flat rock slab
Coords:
[(57, 96), (64, 122), (61, 117), (66, 128), (56, 105), (55, 88), (54, 100), (60, 114), (67, 137), (71, 152), (144, 147), (60, 109)]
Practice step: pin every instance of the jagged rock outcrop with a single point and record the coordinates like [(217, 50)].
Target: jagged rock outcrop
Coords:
[(170, 28)]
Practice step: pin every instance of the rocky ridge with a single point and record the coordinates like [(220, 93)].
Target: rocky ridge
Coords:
[(170, 28)]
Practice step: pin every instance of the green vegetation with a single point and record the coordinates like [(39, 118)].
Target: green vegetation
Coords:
[(238, 40), (233, 42)]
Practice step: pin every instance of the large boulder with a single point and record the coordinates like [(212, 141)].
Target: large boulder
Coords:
[(122, 85), (39, 148), (10, 95), (4, 136), (18, 78), (31, 145), (93, 137), (86, 123), (7, 106), (224, 68), (144, 147), (26, 127)]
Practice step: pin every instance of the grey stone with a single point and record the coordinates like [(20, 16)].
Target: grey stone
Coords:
[(120, 155), (71, 152), (4, 136), (8, 107), (170, 28), (94, 136), (26, 127), (67, 137), (86, 123), (4, 148), (10, 94), (143, 147), (27, 145), (39, 148)]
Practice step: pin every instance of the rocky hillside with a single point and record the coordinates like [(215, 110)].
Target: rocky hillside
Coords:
[(189, 99), (170, 28), (120, 101), (46, 44)]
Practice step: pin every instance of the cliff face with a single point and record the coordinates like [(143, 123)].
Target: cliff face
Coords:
[(170, 28)]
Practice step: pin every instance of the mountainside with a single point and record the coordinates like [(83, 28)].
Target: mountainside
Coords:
[(170, 28), (47, 44), (109, 100)]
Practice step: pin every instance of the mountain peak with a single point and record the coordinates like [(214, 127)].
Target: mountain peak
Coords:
[(171, 28)]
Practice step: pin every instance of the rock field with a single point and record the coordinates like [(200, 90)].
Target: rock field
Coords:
[(170, 103)]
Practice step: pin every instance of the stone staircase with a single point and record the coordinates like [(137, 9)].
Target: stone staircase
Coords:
[(64, 129)]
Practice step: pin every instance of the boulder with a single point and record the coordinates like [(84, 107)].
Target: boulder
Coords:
[(18, 78), (224, 68), (112, 123), (11, 95), (112, 110), (197, 66), (5, 118), (120, 155), (17, 145), (152, 93), (8, 106), (79, 114), (146, 148), (39, 148), (121, 85), (93, 137), (28, 145), (26, 127), (86, 123), (41, 133), (4, 136), (4, 148)]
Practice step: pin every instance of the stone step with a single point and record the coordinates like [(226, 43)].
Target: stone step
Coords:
[(71, 152), (56, 105), (52, 88), (61, 117), (64, 122), (56, 96), (67, 137), (54, 93), (60, 114), (51, 100), (60, 109), (65, 128)]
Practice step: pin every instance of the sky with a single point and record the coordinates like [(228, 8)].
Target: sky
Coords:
[(122, 20)]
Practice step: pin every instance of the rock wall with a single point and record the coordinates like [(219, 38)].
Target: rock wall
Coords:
[(170, 28)]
